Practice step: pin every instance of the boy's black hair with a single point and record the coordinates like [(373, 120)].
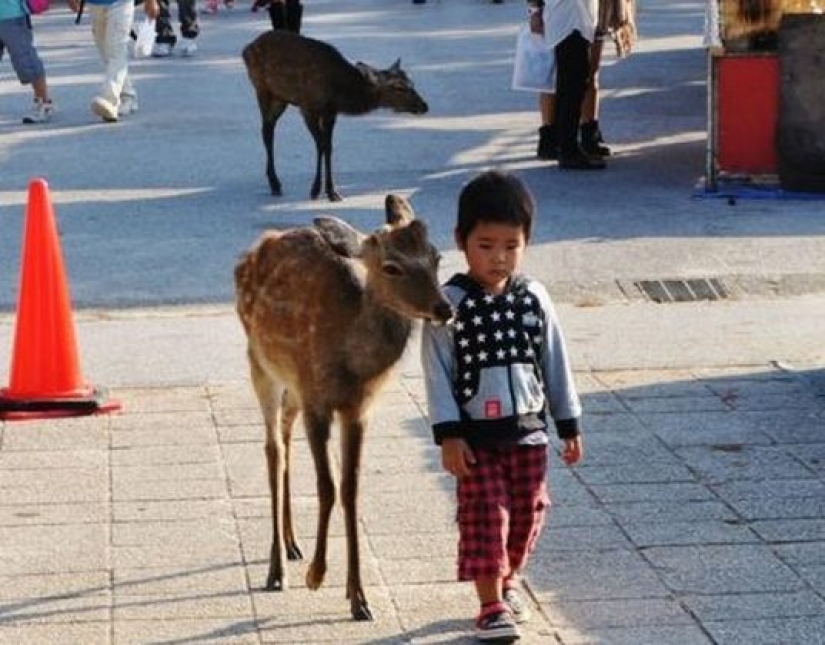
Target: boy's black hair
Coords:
[(494, 196)]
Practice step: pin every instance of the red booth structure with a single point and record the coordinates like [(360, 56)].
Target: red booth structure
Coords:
[(744, 89)]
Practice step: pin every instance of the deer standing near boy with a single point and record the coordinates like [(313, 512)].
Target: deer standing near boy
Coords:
[(328, 311)]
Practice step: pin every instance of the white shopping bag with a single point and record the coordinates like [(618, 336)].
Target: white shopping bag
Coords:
[(534, 67), (145, 38)]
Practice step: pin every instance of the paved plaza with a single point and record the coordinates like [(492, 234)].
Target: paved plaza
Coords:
[(698, 514)]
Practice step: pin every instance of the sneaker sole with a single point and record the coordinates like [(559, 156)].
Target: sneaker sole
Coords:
[(502, 635), (485, 638), (103, 113)]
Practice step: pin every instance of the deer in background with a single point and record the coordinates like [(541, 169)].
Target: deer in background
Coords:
[(327, 312), (288, 69)]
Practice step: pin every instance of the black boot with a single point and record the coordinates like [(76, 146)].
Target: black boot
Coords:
[(591, 138), (548, 148), (578, 159)]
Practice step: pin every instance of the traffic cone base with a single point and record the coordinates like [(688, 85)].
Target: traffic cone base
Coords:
[(45, 377), (14, 408)]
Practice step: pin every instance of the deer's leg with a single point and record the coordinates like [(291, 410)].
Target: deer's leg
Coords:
[(271, 111), (269, 395), (352, 439), (318, 430), (313, 123), (327, 128), (289, 412)]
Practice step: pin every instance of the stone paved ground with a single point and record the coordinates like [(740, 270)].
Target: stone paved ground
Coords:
[(697, 517)]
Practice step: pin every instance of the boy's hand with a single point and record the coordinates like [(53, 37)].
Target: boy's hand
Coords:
[(573, 451), (151, 8), (456, 457), (74, 5)]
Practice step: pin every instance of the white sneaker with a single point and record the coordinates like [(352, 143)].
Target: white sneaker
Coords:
[(128, 105), (188, 47), (41, 112), (161, 50), (104, 109)]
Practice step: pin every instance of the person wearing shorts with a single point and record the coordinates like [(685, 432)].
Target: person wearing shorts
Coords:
[(495, 377), (17, 38)]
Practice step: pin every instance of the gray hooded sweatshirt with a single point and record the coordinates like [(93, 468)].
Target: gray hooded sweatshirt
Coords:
[(493, 375)]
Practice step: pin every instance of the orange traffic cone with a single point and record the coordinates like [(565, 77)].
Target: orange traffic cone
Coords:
[(45, 377)]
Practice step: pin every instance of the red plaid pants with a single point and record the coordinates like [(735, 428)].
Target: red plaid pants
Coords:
[(501, 510)]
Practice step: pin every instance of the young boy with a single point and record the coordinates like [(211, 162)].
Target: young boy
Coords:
[(16, 36), (492, 377)]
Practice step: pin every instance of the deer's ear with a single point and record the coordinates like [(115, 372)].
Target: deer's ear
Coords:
[(399, 210), (367, 72), (396, 66), (341, 237)]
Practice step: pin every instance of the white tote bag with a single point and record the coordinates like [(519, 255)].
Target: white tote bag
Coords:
[(534, 67), (145, 38)]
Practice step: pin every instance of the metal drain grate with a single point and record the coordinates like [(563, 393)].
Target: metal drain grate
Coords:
[(663, 291)]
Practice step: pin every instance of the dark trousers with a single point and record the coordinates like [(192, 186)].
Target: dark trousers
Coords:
[(187, 15), (572, 73)]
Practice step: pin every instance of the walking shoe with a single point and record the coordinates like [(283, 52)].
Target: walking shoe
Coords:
[(580, 160), (548, 148), (495, 624), (515, 601), (188, 47), (128, 105), (592, 141), (41, 112), (162, 50), (104, 109)]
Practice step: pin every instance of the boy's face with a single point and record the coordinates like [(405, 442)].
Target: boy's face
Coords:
[(494, 252)]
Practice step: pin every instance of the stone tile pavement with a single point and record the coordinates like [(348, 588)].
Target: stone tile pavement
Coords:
[(697, 518)]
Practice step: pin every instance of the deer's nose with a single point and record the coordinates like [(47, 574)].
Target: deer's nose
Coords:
[(443, 312)]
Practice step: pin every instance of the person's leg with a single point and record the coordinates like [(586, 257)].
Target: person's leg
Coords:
[(548, 147), (165, 38), (591, 136), (17, 36), (40, 88), (188, 18), (572, 69), (111, 26), (482, 548), (529, 503)]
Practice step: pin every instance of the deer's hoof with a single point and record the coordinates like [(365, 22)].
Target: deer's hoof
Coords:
[(361, 611), (274, 583), (334, 196), (315, 576), (293, 552)]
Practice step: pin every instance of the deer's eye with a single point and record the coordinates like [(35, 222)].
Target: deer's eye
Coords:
[(391, 269)]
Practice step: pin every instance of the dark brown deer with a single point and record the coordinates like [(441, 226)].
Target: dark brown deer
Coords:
[(288, 69), (327, 312)]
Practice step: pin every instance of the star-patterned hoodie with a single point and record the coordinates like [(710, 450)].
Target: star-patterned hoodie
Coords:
[(495, 372)]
